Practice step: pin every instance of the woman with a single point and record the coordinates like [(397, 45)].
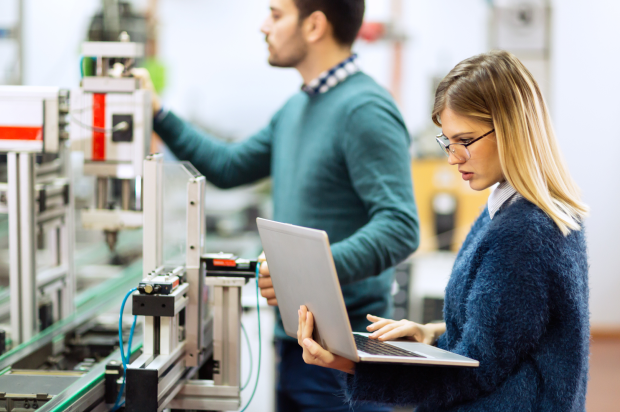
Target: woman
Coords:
[(517, 299)]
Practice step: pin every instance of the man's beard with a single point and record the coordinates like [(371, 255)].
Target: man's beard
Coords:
[(291, 53)]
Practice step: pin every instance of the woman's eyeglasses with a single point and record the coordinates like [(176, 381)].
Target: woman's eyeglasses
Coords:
[(459, 150)]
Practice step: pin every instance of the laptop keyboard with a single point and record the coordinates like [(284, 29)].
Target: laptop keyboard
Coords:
[(375, 347)]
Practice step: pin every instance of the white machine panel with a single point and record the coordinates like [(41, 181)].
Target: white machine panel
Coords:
[(27, 112), (96, 130), (109, 84), (29, 119), (113, 49)]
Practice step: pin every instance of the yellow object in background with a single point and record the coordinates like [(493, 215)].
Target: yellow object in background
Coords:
[(447, 206)]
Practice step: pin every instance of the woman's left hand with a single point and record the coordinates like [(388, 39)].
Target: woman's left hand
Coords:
[(314, 354)]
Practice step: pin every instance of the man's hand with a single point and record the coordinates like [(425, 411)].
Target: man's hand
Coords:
[(314, 354), (146, 83), (388, 329), (264, 282)]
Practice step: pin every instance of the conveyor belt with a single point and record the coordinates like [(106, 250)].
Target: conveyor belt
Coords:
[(24, 383), (88, 388)]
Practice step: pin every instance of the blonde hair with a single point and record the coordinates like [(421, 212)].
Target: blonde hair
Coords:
[(497, 89)]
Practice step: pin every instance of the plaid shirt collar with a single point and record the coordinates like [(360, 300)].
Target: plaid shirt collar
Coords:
[(332, 77)]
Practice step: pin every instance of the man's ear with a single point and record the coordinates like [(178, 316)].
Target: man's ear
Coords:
[(315, 27)]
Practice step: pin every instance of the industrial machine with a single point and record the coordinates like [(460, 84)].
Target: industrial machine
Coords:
[(55, 357), (111, 120), (46, 344), (524, 28), (37, 197), (190, 352), (192, 313)]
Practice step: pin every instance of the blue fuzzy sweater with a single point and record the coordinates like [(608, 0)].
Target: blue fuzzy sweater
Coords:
[(517, 301)]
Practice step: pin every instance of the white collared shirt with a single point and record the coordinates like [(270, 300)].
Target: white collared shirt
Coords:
[(499, 196)]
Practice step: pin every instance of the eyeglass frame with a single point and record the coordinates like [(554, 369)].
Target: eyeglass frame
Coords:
[(447, 150)]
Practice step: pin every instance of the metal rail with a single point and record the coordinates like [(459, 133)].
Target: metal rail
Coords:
[(109, 294)]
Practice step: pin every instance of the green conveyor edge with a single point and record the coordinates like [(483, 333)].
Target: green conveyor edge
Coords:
[(88, 386), (114, 287)]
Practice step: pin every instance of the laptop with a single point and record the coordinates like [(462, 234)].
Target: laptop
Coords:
[(303, 273)]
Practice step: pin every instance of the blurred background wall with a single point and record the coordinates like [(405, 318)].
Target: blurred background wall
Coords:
[(585, 102)]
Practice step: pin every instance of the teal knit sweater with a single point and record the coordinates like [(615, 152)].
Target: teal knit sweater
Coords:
[(340, 163)]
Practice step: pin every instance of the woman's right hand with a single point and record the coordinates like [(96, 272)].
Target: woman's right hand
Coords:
[(388, 329)]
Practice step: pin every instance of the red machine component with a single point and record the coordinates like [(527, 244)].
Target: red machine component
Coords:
[(21, 133), (99, 123)]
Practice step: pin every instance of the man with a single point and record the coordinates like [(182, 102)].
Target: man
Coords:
[(337, 152)]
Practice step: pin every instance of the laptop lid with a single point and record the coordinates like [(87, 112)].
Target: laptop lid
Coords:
[(303, 273)]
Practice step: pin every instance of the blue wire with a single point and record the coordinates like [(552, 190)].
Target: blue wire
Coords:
[(259, 341), (247, 340), (124, 359)]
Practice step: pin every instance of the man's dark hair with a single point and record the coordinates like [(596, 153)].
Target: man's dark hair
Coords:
[(345, 16)]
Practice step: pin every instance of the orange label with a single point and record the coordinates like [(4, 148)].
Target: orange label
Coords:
[(224, 262)]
